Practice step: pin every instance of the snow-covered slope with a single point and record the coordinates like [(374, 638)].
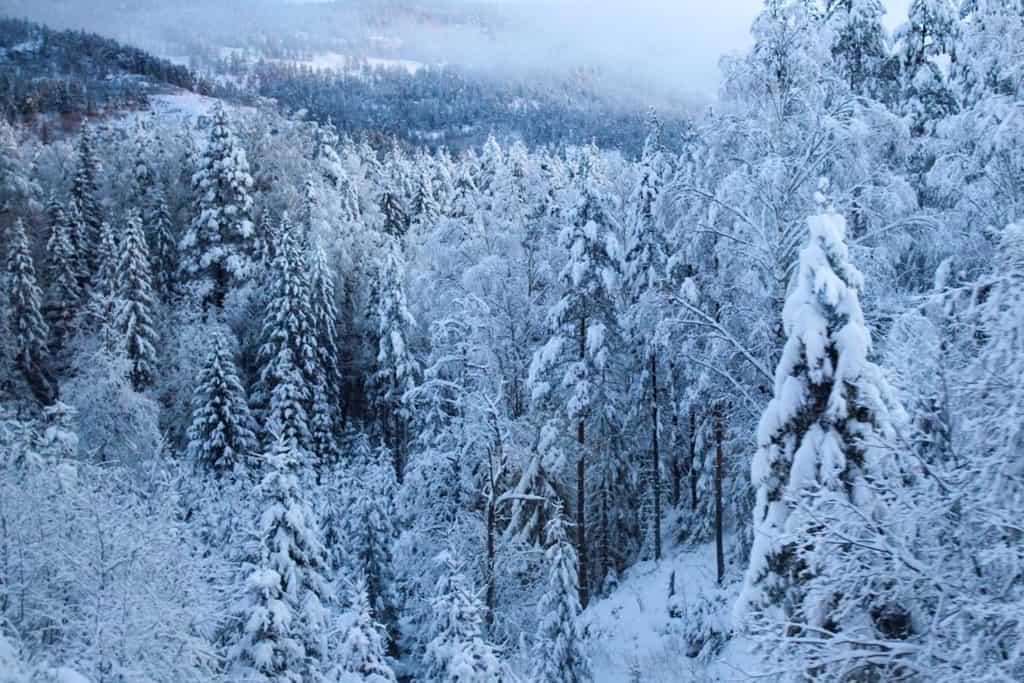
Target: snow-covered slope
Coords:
[(633, 637)]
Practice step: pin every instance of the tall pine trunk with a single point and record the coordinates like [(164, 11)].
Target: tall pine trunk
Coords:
[(719, 550), (655, 460), (581, 492)]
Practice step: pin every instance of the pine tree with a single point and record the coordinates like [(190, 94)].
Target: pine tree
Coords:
[(584, 327), (221, 437), (134, 314), (103, 285), (643, 278), (859, 45), (283, 617), (324, 314), (84, 194), (163, 247), (458, 652), (362, 655), (372, 530), (816, 435), (64, 293), (558, 655), (25, 324), (287, 411), (396, 368), (220, 245), (288, 350), (393, 195), (322, 428)]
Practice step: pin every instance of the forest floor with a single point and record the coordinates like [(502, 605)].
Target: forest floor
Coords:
[(633, 638)]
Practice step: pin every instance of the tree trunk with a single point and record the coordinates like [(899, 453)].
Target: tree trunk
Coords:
[(581, 492), (692, 441), (719, 551), (489, 565), (655, 459)]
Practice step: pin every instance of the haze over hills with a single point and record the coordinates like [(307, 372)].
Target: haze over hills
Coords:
[(406, 342)]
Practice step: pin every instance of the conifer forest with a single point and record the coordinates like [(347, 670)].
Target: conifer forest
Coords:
[(328, 359)]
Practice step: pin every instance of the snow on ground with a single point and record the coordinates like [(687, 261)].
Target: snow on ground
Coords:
[(631, 629), (183, 104), (335, 61)]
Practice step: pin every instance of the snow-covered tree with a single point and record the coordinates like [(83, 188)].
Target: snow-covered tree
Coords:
[(84, 195), (220, 244), (221, 437), (134, 314), (573, 363), (819, 438), (25, 323), (63, 293), (283, 617), (458, 651), (362, 653), (558, 655), (163, 247), (396, 368), (288, 351)]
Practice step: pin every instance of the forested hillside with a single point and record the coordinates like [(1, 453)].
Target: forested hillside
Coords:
[(294, 390)]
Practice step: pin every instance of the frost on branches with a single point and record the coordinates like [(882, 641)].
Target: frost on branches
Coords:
[(819, 441)]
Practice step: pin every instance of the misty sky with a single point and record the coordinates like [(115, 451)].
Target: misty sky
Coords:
[(670, 47)]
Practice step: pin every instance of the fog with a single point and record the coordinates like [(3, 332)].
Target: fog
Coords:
[(669, 47)]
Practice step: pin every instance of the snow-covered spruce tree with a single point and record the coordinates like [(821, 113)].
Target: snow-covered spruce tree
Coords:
[(860, 45), (323, 304), (25, 324), (288, 346), (558, 654), (221, 438), (103, 286), (458, 652), (220, 244), (362, 653), (287, 411), (64, 291), (396, 368), (643, 278), (134, 314), (569, 369), (393, 195), (818, 442), (163, 248), (84, 195), (283, 618)]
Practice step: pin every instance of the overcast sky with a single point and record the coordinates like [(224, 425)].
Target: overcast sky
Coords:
[(666, 46)]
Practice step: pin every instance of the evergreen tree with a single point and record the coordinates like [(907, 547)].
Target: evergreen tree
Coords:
[(321, 429), (816, 436), (221, 437), (458, 652), (287, 410), (283, 619), (558, 657), (103, 286), (63, 294), (288, 348), (84, 194), (362, 655), (220, 244), (25, 324), (134, 315), (859, 45), (584, 327), (396, 368), (324, 314), (163, 247)]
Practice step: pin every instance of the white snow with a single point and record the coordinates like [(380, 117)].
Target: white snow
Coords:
[(632, 625)]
